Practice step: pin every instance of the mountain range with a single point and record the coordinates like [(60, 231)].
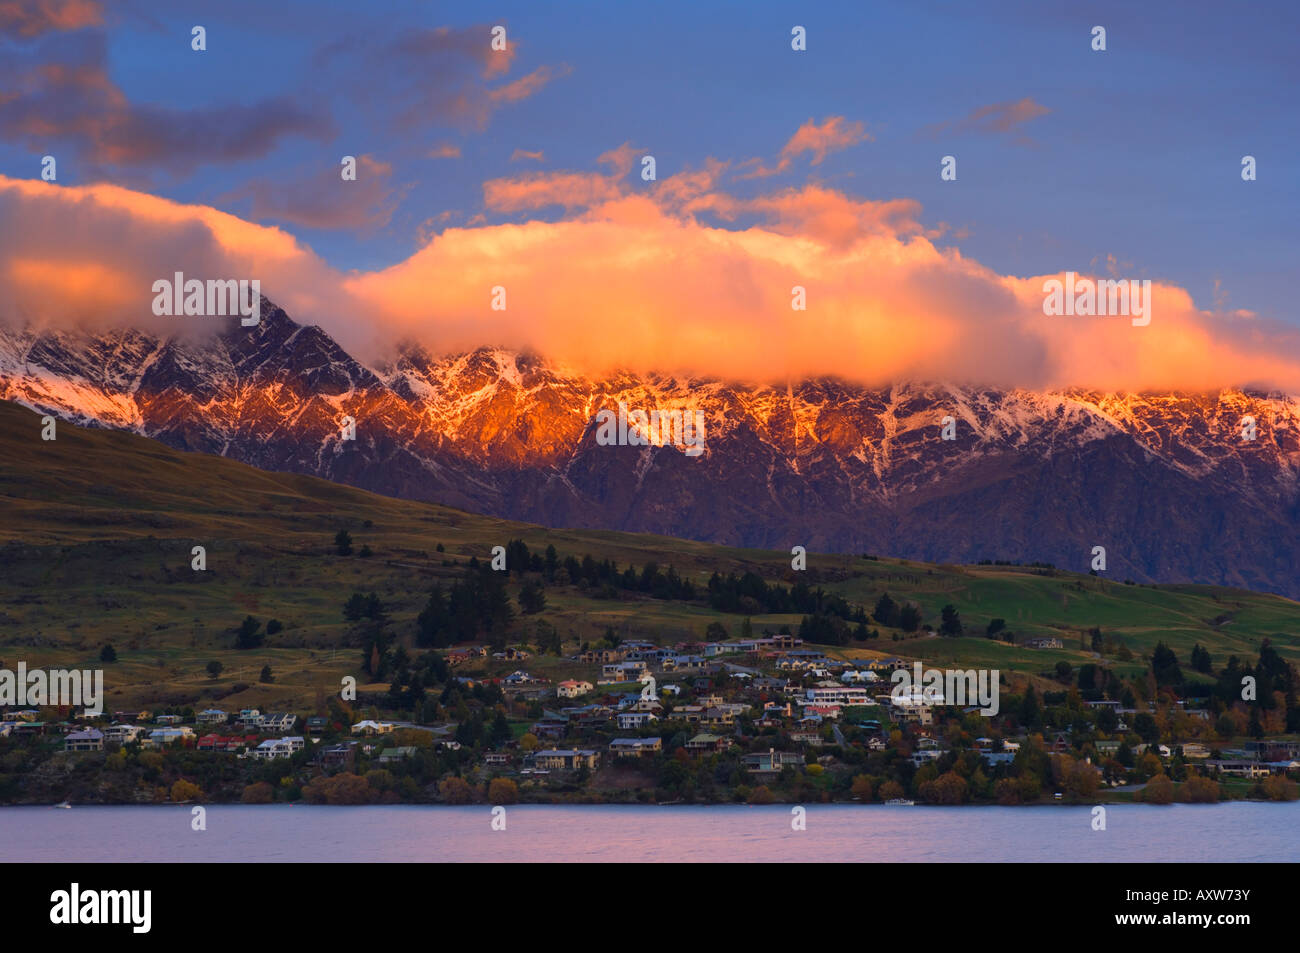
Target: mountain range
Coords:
[(1165, 482)]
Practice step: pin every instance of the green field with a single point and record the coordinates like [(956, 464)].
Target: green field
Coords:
[(97, 527)]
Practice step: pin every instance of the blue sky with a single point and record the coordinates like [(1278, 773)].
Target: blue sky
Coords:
[(1136, 155)]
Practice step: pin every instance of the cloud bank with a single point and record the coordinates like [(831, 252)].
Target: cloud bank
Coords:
[(675, 276)]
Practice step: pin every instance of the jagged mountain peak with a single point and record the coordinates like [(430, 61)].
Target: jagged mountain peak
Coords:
[(1166, 480)]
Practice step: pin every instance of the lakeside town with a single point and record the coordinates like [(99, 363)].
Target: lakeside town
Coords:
[(751, 720)]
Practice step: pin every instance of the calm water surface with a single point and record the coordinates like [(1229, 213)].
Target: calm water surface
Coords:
[(871, 833)]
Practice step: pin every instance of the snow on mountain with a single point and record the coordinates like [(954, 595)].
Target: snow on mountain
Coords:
[(1164, 481)]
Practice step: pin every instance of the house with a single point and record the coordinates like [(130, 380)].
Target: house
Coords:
[(855, 676), (368, 727), (249, 718), (923, 715), (21, 728), (691, 714), (552, 729), (317, 725), (706, 742), (518, 677), (628, 720), (340, 755), (271, 748), (600, 656), (278, 748), (636, 648), (590, 716), (1244, 769), (1048, 643), (494, 759), (278, 721), (211, 716), (168, 720), (654, 657), (822, 711), (89, 740), (400, 753), (565, 759), (635, 702), (573, 689), (771, 761), (167, 736), (623, 671), (635, 747), (513, 654), (122, 734), (1194, 750), (1273, 749), (718, 717)]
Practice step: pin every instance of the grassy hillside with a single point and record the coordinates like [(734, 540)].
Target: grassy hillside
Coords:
[(97, 527)]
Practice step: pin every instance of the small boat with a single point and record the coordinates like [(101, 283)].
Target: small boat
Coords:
[(899, 802), (65, 805)]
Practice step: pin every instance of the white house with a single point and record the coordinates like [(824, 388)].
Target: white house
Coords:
[(122, 734), (846, 695), (855, 676), (278, 748), (635, 719)]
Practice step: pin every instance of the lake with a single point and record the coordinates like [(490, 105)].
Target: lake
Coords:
[(1234, 832)]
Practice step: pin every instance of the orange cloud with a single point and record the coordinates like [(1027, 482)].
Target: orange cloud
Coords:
[(995, 118), (832, 135), (526, 86), (29, 18), (637, 280), (542, 189)]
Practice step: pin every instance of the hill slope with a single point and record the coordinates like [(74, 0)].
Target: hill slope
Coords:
[(1163, 481), (98, 528)]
